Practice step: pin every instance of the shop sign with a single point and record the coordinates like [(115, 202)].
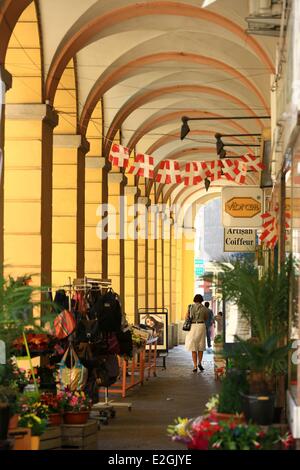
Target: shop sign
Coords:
[(239, 240), (242, 207), (199, 271), (199, 261)]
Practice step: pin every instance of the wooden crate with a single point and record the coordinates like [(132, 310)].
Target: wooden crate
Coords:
[(51, 439), (81, 436)]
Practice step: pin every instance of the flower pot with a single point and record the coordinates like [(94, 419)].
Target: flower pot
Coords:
[(54, 419), (259, 408), (76, 417), (4, 421), (13, 422), (234, 418), (35, 442)]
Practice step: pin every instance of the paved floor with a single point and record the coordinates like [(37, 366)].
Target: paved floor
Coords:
[(175, 392)]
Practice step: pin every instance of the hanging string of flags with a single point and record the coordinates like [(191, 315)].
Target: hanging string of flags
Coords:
[(270, 227), (169, 171)]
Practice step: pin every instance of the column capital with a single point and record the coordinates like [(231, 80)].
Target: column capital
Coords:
[(115, 178), (94, 162), (32, 112), (5, 77), (144, 200), (130, 190), (74, 141)]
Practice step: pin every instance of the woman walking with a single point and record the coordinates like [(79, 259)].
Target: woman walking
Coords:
[(195, 338)]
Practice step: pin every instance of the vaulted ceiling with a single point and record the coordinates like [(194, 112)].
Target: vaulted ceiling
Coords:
[(151, 62)]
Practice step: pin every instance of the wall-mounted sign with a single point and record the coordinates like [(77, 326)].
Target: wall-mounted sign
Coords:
[(242, 207), (239, 240), (199, 271), (199, 261)]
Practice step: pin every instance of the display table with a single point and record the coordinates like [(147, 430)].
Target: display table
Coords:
[(136, 369), (150, 358), (132, 372)]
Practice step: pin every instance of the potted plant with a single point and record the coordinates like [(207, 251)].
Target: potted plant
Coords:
[(227, 405), (263, 300), (34, 415), (218, 344), (263, 361), (55, 408), (37, 426), (76, 406)]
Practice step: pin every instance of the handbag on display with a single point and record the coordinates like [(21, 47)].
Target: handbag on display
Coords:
[(64, 324), (73, 377)]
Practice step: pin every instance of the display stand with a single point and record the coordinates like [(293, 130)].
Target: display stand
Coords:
[(132, 372), (150, 358)]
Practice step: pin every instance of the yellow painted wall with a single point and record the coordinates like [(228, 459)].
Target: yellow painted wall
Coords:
[(188, 273), (93, 195)]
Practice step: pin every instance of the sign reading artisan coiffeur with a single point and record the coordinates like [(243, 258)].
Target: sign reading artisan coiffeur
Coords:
[(242, 207), (239, 240)]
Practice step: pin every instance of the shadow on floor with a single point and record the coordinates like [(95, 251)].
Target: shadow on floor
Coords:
[(175, 392)]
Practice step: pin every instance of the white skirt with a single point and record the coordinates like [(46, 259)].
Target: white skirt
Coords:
[(196, 337)]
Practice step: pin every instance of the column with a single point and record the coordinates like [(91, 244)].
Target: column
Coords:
[(5, 85), (188, 279), (151, 245), (28, 190), (142, 263), (115, 243), (68, 207), (129, 252), (93, 199)]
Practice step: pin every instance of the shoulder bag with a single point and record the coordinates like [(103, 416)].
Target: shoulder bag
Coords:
[(188, 322)]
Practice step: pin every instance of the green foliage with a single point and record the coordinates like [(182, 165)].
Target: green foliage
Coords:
[(262, 300), (248, 437), (10, 396), (36, 424), (263, 356), (17, 306), (229, 398)]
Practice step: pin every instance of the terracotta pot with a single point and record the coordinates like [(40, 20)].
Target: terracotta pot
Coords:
[(54, 419), (13, 422), (76, 417), (236, 419), (35, 442)]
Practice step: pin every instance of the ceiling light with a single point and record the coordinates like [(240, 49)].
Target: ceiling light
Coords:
[(207, 183), (184, 128)]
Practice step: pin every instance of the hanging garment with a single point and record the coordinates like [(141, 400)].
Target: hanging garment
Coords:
[(61, 301), (108, 311)]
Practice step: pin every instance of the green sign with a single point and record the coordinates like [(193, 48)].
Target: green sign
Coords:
[(199, 261), (199, 271)]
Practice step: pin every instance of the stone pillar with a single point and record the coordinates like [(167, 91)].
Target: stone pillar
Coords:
[(28, 190), (68, 207), (93, 199), (115, 241), (5, 85), (142, 263), (130, 234), (151, 259)]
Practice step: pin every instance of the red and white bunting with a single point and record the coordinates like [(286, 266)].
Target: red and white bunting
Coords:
[(241, 177), (194, 173), (119, 156), (230, 169), (214, 170), (270, 229), (143, 166), (169, 172), (253, 162)]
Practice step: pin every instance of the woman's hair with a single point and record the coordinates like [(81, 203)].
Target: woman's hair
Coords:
[(198, 298)]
